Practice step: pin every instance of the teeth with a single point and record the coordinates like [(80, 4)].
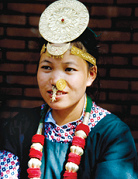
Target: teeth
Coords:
[(59, 93)]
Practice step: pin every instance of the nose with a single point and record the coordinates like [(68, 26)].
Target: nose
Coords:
[(55, 76)]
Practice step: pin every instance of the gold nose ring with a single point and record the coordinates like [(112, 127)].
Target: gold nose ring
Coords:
[(60, 84)]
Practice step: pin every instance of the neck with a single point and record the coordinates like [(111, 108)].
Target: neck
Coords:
[(70, 114)]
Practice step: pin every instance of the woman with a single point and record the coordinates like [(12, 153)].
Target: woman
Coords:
[(73, 137)]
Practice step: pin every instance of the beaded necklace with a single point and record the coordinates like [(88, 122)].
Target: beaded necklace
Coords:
[(76, 150)]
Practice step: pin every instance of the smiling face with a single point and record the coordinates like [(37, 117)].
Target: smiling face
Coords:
[(71, 68)]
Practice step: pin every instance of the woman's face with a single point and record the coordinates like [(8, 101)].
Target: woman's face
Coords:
[(71, 68)]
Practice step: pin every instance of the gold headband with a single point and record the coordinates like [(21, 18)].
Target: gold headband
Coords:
[(43, 49), (84, 55), (74, 51)]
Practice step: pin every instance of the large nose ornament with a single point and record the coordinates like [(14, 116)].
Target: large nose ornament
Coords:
[(60, 84)]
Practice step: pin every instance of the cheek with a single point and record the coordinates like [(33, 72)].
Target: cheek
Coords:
[(38, 78), (78, 82), (41, 79)]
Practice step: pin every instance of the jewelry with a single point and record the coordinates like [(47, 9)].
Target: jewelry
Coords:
[(84, 55), (55, 50), (78, 144), (43, 49), (63, 21), (58, 51), (36, 150), (60, 85), (54, 91), (74, 157)]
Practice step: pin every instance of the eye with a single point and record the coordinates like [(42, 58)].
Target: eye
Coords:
[(70, 69), (46, 67)]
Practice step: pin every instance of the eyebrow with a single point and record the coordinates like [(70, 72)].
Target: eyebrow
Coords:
[(66, 63), (71, 62), (47, 61)]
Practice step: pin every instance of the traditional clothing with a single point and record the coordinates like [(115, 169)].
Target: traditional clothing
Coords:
[(109, 153)]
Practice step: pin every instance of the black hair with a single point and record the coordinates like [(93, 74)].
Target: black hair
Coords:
[(88, 39)]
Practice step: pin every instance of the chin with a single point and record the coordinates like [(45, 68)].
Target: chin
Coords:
[(57, 106)]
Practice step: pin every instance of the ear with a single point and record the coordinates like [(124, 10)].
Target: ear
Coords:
[(91, 75)]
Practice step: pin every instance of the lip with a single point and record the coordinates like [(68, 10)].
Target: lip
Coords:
[(58, 93)]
